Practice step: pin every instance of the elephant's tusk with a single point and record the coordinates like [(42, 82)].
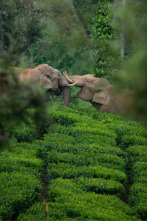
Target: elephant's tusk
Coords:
[(71, 85), (67, 78)]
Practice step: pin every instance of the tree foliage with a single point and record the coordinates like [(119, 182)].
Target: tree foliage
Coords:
[(21, 21), (134, 69), (106, 59)]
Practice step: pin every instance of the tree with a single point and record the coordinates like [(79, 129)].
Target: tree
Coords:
[(134, 69), (15, 96), (15, 14), (106, 60)]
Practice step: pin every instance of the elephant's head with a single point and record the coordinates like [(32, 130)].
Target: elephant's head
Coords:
[(53, 81)]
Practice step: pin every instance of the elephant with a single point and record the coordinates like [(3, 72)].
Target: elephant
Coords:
[(102, 95), (50, 78)]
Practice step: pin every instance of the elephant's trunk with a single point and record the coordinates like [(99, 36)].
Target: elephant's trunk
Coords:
[(66, 95)]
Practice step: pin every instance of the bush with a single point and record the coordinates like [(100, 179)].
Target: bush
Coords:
[(36, 212), (66, 170), (137, 153), (139, 170), (80, 135), (64, 118), (131, 140), (19, 191), (99, 185), (138, 192), (138, 198), (20, 162), (81, 205), (25, 133), (86, 159)]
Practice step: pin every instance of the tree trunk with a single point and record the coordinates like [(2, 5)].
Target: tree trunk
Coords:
[(84, 28), (122, 36)]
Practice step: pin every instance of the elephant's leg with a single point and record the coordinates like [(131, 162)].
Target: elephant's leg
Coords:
[(96, 105)]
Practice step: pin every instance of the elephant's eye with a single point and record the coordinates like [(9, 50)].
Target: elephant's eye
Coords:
[(48, 76)]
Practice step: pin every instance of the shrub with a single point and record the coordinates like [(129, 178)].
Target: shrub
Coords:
[(138, 192), (80, 136), (81, 205), (107, 149), (66, 170), (86, 159), (19, 191), (131, 140), (138, 199), (36, 212), (59, 141), (139, 172), (23, 162), (99, 185), (126, 127), (64, 118), (25, 133), (137, 153)]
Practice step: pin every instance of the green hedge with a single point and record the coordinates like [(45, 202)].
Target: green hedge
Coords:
[(138, 192), (99, 185), (22, 159), (82, 205), (86, 159), (126, 127), (35, 213), (138, 198), (64, 118), (25, 132), (18, 192), (139, 172), (66, 170), (131, 140), (137, 153), (83, 135)]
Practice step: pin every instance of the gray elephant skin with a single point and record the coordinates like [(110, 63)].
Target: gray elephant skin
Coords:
[(103, 95), (48, 77)]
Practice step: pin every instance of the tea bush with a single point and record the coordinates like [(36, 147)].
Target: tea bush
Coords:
[(138, 192), (20, 183), (130, 140), (80, 136), (66, 170), (137, 153), (138, 199), (140, 172), (25, 133), (107, 149), (36, 212), (125, 127), (99, 185), (86, 159), (11, 162), (18, 192), (82, 205)]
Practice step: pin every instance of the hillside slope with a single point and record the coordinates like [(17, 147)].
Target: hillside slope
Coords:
[(90, 166)]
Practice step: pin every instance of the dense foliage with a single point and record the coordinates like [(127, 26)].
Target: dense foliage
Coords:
[(19, 20), (93, 166), (104, 34), (72, 163)]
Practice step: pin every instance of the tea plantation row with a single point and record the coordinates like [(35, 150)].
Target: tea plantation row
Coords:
[(90, 166)]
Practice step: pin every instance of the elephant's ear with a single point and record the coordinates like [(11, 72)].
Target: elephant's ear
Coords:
[(101, 97)]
